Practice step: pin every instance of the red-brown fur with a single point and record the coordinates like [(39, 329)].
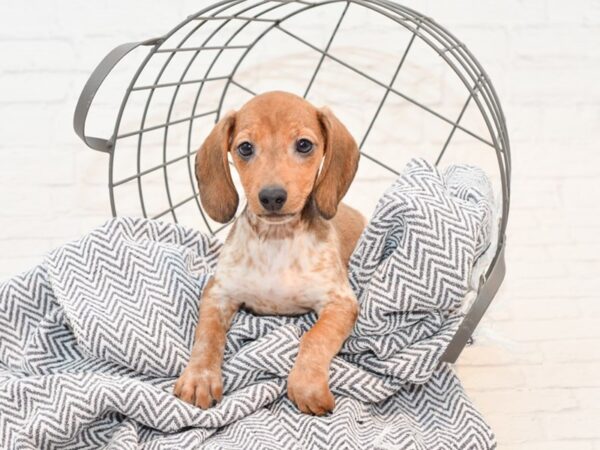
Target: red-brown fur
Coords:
[(285, 262)]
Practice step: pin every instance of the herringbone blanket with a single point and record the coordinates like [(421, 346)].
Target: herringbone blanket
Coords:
[(92, 339)]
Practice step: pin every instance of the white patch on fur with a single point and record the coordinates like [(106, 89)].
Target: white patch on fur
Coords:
[(279, 276)]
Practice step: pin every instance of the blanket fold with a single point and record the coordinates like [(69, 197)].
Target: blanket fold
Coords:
[(92, 339)]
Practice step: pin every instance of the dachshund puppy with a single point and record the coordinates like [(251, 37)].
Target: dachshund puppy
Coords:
[(288, 251)]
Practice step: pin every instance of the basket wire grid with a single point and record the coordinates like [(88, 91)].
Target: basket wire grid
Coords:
[(220, 32)]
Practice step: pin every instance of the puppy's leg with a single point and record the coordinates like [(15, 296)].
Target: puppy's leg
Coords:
[(308, 382), (201, 383)]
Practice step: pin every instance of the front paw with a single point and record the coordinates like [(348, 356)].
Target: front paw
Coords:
[(202, 387), (308, 388)]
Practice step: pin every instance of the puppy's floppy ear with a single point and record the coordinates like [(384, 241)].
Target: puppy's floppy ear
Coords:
[(339, 166), (217, 192)]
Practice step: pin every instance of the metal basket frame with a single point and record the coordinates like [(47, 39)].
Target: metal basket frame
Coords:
[(449, 48)]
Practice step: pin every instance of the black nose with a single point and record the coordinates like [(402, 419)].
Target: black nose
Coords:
[(272, 198)]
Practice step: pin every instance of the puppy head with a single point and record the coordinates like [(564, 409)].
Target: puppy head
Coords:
[(285, 150)]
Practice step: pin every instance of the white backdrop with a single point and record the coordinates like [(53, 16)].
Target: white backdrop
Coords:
[(540, 55)]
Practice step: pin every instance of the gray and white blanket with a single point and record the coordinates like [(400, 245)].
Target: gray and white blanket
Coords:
[(92, 339)]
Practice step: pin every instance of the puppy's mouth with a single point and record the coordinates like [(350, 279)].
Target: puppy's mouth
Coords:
[(274, 218)]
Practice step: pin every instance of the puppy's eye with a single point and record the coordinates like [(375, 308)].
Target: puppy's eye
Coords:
[(304, 146), (245, 149)]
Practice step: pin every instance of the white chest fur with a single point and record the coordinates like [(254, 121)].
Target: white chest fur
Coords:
[(284, 275)]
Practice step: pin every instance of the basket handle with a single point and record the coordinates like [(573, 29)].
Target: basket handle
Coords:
[(91, 88)]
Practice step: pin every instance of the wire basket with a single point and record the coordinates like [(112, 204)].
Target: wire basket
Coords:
[(401, 83)]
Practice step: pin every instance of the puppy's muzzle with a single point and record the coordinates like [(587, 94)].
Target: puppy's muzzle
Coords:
[(272, 198)]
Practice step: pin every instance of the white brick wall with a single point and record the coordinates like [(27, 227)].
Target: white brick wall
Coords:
[(535, 371)]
